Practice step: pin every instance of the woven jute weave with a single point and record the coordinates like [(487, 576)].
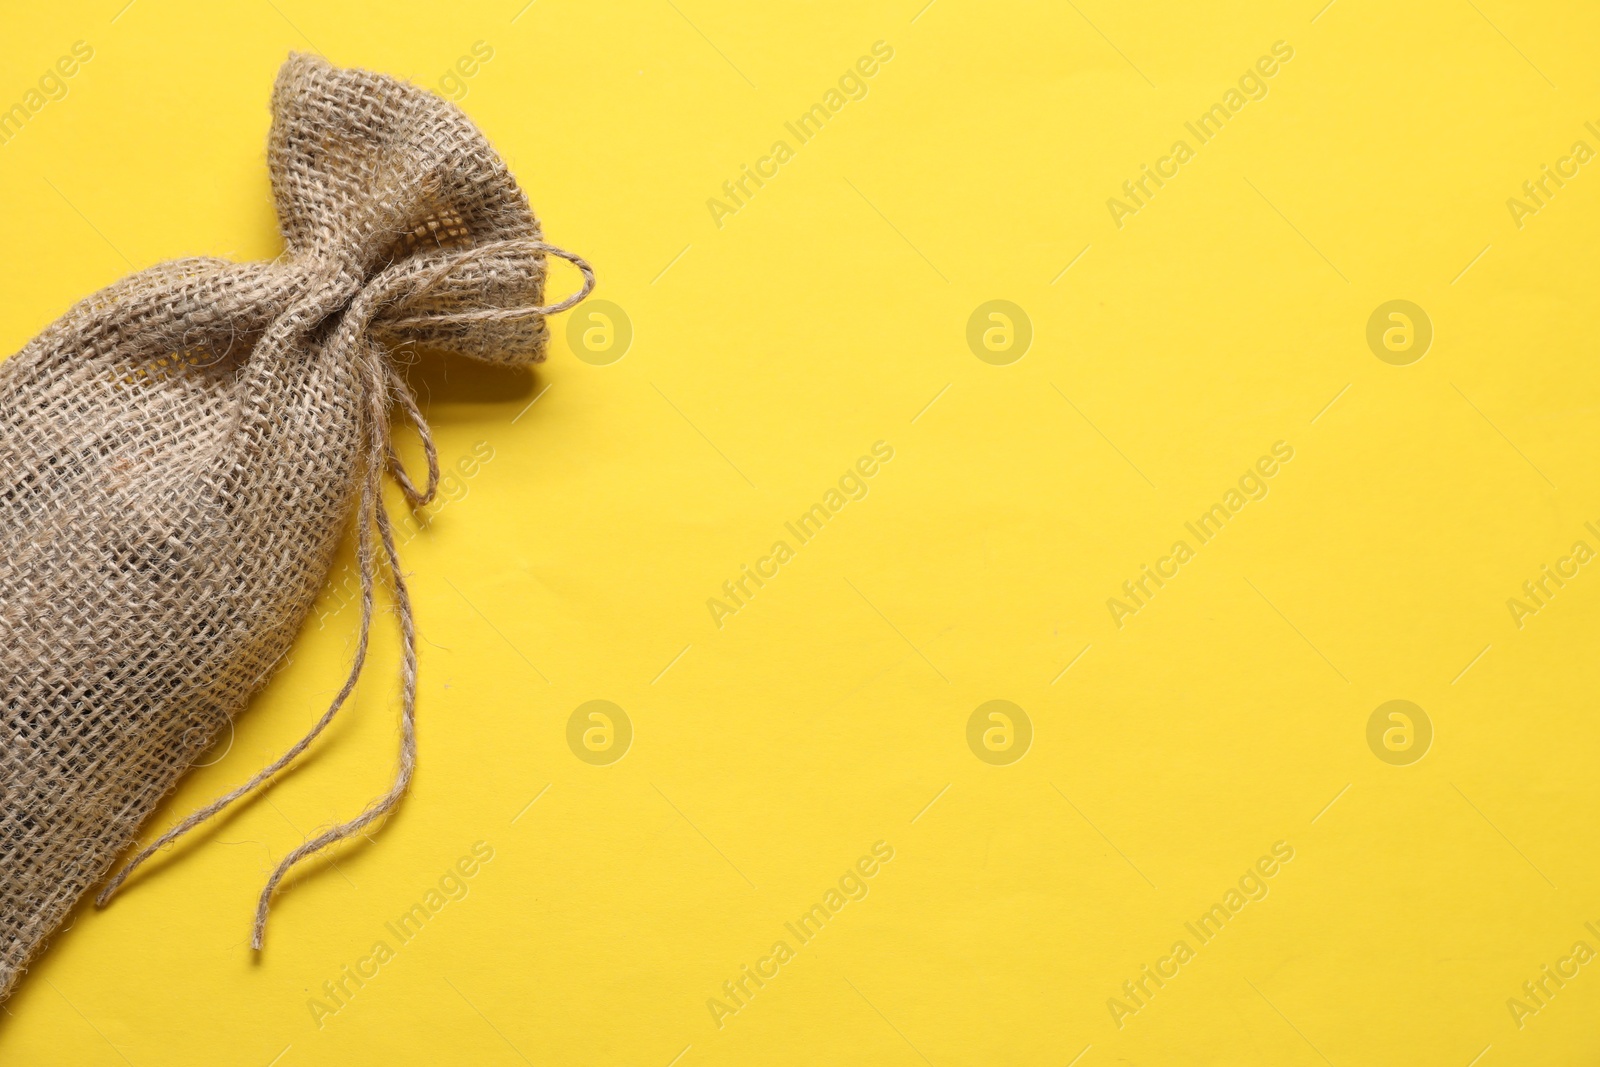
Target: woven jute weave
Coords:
[(181, 454)]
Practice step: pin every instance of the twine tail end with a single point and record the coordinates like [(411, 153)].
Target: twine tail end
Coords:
[(258, 932)]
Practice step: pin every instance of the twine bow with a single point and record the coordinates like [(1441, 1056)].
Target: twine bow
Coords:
[(383, 387)]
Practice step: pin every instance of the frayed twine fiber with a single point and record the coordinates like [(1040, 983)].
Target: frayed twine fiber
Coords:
[(181, 452)]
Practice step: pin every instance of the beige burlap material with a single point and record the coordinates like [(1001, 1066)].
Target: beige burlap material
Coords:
[(181, 454)]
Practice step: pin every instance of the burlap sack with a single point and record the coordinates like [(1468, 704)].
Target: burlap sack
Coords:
[(182, 452)]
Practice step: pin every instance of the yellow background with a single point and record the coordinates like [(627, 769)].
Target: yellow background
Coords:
[(768, 354)]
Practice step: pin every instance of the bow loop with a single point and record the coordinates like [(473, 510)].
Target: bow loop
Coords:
[(407, 402), (485, 302)]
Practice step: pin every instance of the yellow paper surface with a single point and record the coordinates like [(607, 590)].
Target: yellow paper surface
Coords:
[(1198, 747)]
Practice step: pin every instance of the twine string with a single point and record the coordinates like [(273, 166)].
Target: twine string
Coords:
[(498, 314), (379, 374)]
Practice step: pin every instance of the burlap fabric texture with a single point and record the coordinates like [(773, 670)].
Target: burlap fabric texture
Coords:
[(182, 452)]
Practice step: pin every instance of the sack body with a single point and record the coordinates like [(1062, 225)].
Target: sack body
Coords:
[(181, 453)]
